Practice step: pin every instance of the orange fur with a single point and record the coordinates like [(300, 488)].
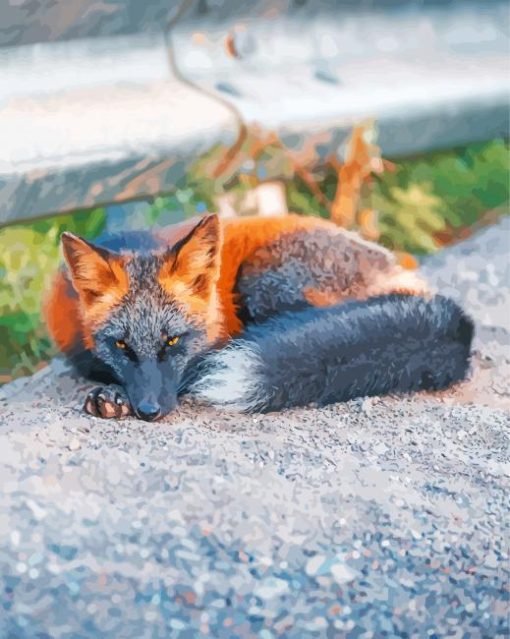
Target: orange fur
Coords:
[(201, 275), (191, 274), (62, 316), (98, 277), (316, 297), (241, 237)]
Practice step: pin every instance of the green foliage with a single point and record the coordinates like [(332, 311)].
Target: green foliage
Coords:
[(419, 198), (438, 192), (413, 220), (166, 209), (28, 258)]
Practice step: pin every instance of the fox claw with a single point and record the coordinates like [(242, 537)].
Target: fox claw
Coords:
[(107, 402)]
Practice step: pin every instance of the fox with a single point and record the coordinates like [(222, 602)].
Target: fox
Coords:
[(250, 314)]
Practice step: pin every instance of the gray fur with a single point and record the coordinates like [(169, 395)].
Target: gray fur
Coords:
[(150, 371), (275, 277), (233, 378), (393, 343)]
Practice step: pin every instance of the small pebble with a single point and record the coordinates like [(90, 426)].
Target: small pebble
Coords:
[(74, 444)]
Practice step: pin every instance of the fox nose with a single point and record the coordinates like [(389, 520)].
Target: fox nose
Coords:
[(148, 411)]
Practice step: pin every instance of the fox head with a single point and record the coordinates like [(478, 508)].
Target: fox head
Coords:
[(147, 316)]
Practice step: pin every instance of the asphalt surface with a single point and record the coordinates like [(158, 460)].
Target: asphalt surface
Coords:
[(385, 517)]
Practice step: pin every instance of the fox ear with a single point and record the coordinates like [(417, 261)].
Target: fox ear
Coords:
[(192, 265), (97, 274)]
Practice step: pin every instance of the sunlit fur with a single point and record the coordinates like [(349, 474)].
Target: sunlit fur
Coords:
[(189, 273), (98, 276), (206, 281)]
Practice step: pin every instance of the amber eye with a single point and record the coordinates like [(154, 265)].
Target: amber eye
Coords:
[(120, 344), (172, 341)]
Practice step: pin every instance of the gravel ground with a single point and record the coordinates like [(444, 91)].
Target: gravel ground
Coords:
[(377, 518)]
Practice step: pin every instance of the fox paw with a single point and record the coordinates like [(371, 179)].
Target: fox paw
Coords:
[(107, 402)]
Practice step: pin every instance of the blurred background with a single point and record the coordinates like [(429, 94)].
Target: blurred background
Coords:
[(389, 117)]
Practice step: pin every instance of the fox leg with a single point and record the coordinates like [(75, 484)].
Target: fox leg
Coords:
[(107, 402)]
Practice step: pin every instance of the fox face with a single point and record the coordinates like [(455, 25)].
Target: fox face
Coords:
[(149, 316)]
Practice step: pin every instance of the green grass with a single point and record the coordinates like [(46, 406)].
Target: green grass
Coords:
[(29, 257), (421, 204), (426, 198)]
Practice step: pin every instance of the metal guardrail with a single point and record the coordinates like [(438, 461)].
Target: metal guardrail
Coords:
[(88, 122), (112, 101), (433, 74)]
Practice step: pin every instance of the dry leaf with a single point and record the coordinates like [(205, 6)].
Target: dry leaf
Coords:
[(362, 159), (368, 223), (230, 46)]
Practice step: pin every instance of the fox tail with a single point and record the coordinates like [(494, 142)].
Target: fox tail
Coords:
[(389, 344)]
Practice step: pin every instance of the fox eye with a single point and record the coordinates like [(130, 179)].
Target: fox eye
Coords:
[(128, 351), (168, 342)]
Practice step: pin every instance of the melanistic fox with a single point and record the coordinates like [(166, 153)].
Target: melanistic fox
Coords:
[(252, 314)]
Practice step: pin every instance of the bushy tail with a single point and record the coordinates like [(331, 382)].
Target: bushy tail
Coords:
[(389, 344)]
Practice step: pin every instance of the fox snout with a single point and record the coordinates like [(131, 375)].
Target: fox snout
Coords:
[(151, 391), (148, 410)]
